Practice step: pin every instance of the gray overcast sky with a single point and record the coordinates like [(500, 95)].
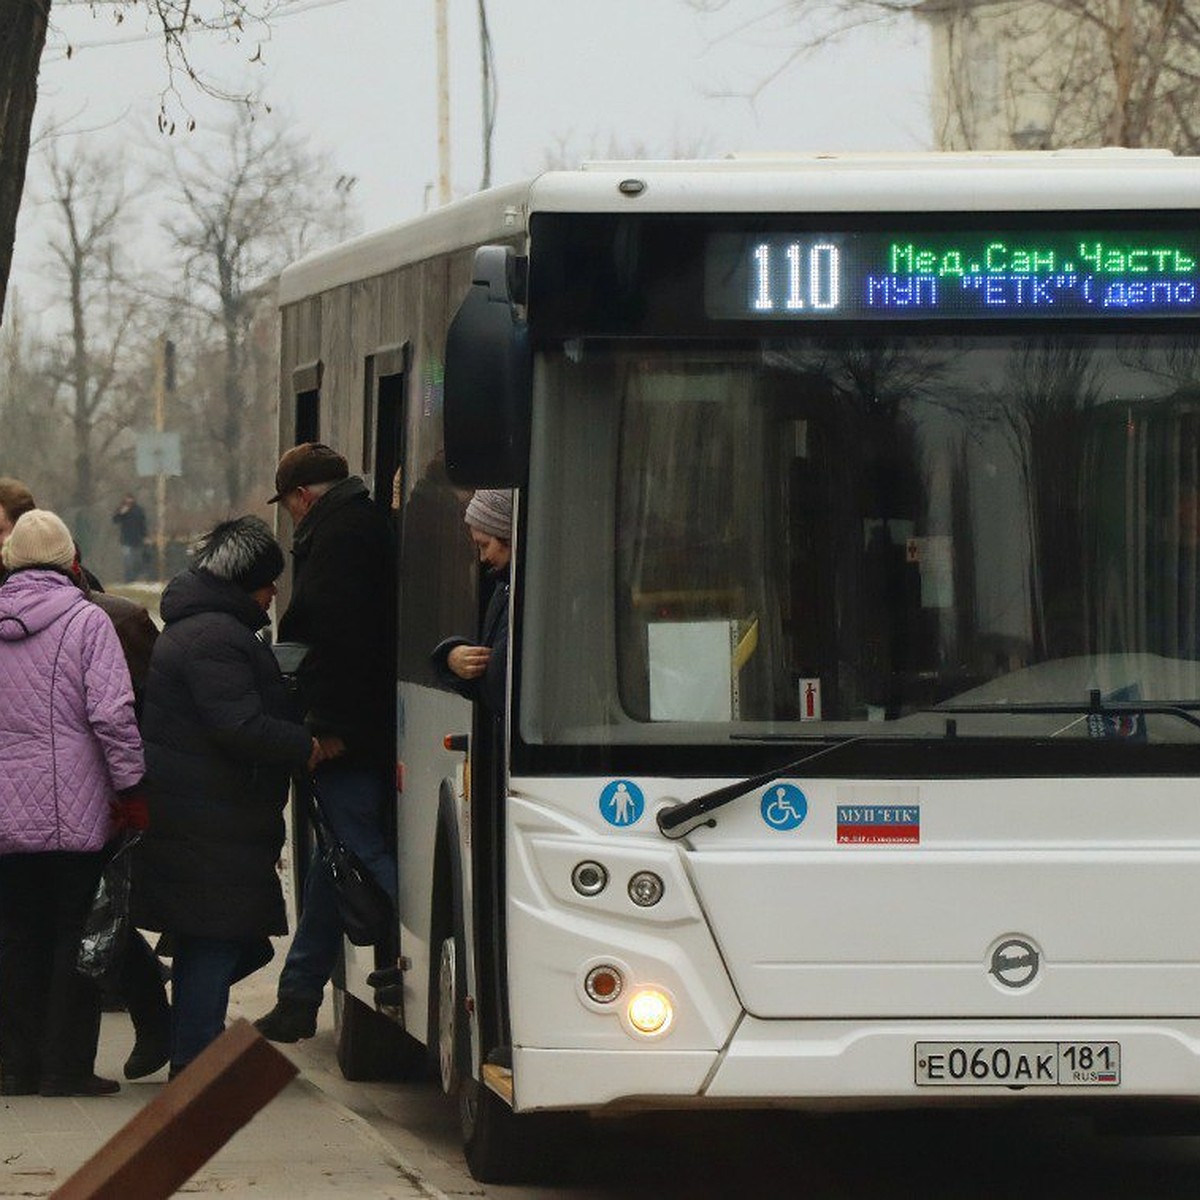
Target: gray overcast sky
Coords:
[(358, 76)]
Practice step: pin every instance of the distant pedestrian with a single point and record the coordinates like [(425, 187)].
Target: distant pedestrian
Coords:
[(70, 768), (221, 743), (130, 517)]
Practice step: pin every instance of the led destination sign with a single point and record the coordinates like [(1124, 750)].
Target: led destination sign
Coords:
[(938, 275)]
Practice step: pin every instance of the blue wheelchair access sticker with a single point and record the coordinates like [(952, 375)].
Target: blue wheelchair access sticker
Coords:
[(784, 806), (622, 803)]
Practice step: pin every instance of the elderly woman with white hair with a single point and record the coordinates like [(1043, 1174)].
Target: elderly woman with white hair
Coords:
[(70, 766)]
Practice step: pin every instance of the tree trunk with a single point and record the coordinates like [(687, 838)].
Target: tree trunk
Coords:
[(22, 36)]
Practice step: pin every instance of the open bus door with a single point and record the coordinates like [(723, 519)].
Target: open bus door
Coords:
[(486, 415)]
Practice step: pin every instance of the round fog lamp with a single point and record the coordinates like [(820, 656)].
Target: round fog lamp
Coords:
[(589, 878), (645, 889), (650, 1011), (603, 984)]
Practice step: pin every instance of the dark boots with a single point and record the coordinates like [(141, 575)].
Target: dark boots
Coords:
[(291, 1020), (151, 1051)]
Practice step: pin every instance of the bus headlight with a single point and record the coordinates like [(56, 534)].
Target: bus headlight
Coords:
[(650, 1011)]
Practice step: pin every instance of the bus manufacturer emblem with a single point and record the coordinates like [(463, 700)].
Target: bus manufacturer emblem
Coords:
[(1015, 963)]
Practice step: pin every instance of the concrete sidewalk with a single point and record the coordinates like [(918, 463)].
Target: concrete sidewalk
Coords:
[(303, 1144)]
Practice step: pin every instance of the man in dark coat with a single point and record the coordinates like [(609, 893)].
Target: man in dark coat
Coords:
[(221, 742), (343, 608)]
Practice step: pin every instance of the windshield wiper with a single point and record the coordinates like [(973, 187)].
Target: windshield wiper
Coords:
[(1180, 709), (678, 822)]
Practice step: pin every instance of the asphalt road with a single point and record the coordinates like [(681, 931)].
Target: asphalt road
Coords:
[(1024, 1153), (952, 1153)]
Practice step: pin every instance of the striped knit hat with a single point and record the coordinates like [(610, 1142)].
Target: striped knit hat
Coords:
[(490, 511)]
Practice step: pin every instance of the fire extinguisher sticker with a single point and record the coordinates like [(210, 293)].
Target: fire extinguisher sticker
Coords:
[(810, 699)]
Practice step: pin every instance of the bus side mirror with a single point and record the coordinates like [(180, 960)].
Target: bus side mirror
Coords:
[(487, 383)]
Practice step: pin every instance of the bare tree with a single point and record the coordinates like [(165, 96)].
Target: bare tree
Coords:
[(1026, 73), (251, 200), (1037, 74), (22, 38), (91, 365), (23, 34), (32, 427)]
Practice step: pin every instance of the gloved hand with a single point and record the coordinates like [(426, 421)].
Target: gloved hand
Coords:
[(130, 811)]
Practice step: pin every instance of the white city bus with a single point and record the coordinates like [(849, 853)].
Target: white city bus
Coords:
[(853, 719)]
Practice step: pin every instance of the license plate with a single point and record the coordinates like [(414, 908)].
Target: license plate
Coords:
[(1018, 1064)]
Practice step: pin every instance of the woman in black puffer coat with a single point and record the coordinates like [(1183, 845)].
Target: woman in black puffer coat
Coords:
[(221, 741)]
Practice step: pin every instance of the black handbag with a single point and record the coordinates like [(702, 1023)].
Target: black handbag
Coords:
[(106, 930), (363, 905)]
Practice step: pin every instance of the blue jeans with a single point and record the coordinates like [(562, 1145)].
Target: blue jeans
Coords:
[(202, 971), (352, 799)]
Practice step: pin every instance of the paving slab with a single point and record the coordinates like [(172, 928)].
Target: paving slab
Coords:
[(305, 1143)]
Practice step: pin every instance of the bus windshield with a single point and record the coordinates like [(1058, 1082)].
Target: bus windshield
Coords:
[(835, 534)]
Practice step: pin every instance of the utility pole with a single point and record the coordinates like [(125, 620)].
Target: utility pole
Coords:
[(160, 481), (443, 110)]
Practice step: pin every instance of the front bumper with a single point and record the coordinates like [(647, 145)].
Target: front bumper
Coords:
[(831, 1064)]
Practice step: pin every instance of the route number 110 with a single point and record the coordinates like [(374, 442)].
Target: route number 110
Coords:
[(811, 275)]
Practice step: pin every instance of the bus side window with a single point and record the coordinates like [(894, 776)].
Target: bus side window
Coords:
[(306, 387), (385, 378)]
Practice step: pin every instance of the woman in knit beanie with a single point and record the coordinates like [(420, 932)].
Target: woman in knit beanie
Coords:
[(479, 669), (490, 512), (38, 539), (70, 766)]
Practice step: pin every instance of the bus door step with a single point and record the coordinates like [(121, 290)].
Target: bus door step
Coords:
[(499, 1079), (387, 976)]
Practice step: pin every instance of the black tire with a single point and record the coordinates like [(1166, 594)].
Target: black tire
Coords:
[(371, 1047), (502, 1146)]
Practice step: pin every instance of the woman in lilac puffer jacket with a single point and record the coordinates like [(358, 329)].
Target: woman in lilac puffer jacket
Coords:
[(70, 763)]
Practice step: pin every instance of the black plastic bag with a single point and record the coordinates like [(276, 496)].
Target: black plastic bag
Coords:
[(106, 931)]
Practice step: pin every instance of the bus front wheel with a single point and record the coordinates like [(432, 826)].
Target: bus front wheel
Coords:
[(499, 1145)]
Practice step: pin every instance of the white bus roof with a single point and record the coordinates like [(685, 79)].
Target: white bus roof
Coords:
[(1112, 179)]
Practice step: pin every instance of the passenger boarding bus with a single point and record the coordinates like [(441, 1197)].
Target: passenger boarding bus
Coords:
[(853, 711)]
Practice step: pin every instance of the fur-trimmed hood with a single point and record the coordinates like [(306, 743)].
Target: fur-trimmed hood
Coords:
[(242, 551)]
